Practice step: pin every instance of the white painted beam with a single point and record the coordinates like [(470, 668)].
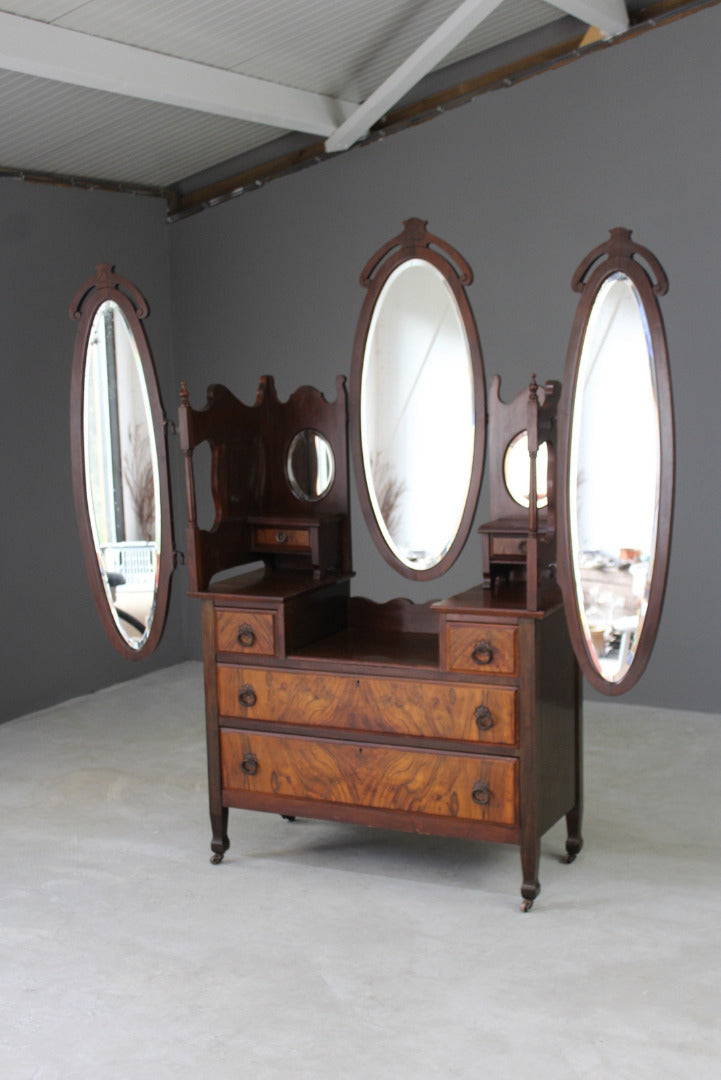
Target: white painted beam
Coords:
[(51, 52), (456, 27), (610, 16)]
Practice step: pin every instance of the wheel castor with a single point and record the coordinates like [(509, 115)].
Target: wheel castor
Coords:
[(526, 905), (288, 817), (217, 857)]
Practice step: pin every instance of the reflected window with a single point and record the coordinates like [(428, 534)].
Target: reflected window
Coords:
[(121, 472)]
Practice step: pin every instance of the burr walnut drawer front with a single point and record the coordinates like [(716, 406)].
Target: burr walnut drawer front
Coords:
[(481, 648), (245, 632), (465, 712), (467, 786)]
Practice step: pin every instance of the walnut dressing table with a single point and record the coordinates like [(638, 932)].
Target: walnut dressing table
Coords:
[(460, 717)]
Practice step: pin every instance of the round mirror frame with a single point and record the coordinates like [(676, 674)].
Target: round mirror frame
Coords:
[(415, 243), (104, 286), (619, 252)]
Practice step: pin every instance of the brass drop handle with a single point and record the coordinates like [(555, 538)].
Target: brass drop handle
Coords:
[(481, 793), (246, 636), (281, 537), (482, 652), (484, 718), (247, 695), (249, 764)]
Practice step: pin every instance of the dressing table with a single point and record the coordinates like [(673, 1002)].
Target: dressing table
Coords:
[(460, 717)]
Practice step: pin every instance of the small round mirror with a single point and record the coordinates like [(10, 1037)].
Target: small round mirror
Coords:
[(310, 465), (616, 489), (119, 465), (517, 471)]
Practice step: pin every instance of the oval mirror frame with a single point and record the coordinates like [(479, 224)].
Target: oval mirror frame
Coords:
[(106, 285), (416, 243), (620, 257)]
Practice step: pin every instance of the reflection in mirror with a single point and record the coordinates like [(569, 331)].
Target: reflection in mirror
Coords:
[(120, 481), (517, 471), (618, 488), (310, 466), (614, 499), (121, 473), (417, 420)]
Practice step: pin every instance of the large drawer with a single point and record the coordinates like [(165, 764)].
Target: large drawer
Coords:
[(459, 711), (486, 649), (468, 786)]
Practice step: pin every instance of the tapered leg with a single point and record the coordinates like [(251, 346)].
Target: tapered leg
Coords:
[(220, 842), (530, 856)]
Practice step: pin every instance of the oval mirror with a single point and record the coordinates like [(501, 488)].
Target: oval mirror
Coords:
[(418, 403), (517, 471), (310, 466), (616, 485), (119, 464)]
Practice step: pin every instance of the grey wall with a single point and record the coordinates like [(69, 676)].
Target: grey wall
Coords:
[(524, 182), (50, 242)]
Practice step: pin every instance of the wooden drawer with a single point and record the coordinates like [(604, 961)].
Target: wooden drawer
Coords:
[(467, 786), (245, 632), (508, 547), (280, 538), (465, 712), (482, 648)]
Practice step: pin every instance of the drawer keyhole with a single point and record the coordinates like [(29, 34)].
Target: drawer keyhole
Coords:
[(482, 652), (281, 537), (484, 718), (247, 695), (249, 764), (481, 793), (246, 636)]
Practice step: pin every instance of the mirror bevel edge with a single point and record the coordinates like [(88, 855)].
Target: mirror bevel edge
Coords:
[(103, 286), (413, 243), (619, 252)]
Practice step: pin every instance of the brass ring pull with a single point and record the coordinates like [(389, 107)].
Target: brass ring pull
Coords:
[(481, 793), (482, 652), (281, 537), (484, 718), (246, 636), (249, 764), (247, 695)]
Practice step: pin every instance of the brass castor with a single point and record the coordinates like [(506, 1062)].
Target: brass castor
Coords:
[(217, 857)]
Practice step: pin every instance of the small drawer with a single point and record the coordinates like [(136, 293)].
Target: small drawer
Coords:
[(245, 632), (504, 547), (481, 648), (280, 538), (473, 787)]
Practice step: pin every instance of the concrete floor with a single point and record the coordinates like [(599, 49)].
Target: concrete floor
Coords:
[(328, 951)]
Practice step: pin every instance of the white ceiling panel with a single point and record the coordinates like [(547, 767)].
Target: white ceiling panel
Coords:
[(144, 131), (69, 130)]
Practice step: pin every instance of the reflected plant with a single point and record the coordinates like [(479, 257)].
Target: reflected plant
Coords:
[(389, 491), (138, 475)]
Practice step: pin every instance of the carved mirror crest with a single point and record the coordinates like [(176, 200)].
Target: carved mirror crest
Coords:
[(119, 464), (418, 402), (617, 463)]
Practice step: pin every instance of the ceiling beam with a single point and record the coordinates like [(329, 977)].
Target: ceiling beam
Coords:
[(51, 52), (610, 16), (456, 27)]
